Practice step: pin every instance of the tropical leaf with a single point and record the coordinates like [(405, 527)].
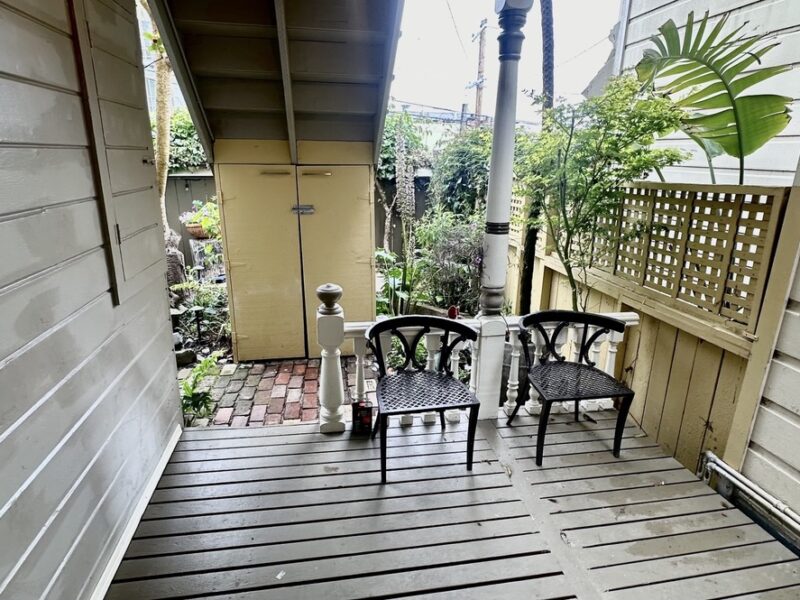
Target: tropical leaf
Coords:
[(708, 74)]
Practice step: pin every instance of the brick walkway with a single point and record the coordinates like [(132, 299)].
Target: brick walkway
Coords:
[(269, 393)]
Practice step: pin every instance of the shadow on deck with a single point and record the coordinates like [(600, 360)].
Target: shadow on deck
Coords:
[(289, 513)]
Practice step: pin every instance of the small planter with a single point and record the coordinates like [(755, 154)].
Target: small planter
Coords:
[(196, 231)]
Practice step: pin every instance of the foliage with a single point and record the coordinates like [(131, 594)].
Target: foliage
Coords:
[(210, 301), (186, 152), (461, 170), (194, 399), (573, 171), (451, 253), (399, 292), (399, 124), (205, 214), (707, 75)]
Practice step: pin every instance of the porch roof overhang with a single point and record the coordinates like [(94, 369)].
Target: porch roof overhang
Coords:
[(277, 70)]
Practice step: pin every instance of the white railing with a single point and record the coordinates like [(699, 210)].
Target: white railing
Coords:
[(330, 320)]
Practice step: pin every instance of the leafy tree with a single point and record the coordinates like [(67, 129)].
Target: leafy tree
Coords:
[(708, 74), (461, 170), (399, 129), (186, 152), (574, 170)]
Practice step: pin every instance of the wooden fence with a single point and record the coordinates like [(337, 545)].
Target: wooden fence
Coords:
[(694, 262)]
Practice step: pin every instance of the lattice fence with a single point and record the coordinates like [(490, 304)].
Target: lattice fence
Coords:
[(707, 247)]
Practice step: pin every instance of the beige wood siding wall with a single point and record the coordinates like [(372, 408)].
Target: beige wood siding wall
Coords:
[(88, 401), (773, 457), (775, 163), (686, 387)]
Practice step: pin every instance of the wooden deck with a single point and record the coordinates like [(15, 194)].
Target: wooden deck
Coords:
[(289, 513)]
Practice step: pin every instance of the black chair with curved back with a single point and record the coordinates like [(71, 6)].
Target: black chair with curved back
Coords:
[(558, 380), (413, 389)]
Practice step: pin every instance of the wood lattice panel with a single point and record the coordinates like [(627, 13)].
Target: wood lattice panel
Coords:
[(707, 247)]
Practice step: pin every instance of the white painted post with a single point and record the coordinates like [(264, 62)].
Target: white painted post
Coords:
[(614, 339), (453, 415), (360, 349), (533, 406), (431, 344), (512, 389), (330, 334), (512, 16)]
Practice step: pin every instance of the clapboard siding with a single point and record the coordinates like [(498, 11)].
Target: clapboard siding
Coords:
[(772, 459), (88, 384), (773, 164)]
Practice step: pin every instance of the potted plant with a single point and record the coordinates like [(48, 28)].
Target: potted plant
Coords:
[(202, 222)]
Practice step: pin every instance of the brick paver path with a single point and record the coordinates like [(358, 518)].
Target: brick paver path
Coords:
[(270, 393)]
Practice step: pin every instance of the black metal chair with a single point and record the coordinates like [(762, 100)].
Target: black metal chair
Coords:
[(558, 380), (411, 388)]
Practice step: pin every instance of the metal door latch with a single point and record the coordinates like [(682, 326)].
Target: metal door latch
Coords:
[(303, 209)]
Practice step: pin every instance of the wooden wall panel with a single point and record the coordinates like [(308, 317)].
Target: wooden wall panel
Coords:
[(88, 386), (31, 178)]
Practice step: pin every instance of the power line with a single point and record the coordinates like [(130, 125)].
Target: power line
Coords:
[(584, 51), (455, 26)]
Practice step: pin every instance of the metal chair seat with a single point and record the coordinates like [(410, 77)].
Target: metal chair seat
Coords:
[(561, 381), (419, 391)]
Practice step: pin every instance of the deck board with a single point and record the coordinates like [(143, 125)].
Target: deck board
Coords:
[(289, 513)]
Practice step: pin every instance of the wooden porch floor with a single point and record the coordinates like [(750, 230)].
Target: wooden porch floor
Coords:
[(289, 513)]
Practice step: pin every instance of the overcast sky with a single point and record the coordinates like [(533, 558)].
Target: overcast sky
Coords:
[(437, 58)]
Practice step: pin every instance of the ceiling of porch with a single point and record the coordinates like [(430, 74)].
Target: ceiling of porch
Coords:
[(270, 69)]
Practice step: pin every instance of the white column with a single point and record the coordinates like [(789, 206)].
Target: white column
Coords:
[(614, 339), (431, 346), (330, 334), (512, 15)]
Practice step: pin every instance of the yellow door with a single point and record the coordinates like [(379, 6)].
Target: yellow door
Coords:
[(338, 240), (263, 260)]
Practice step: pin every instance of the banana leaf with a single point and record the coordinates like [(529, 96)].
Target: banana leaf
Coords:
[(707, 74)]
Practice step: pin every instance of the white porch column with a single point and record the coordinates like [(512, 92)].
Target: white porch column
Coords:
[(512, 16), (330, 334)]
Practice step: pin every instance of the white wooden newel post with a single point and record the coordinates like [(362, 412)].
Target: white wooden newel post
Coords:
[(330, 334), (512, 16)]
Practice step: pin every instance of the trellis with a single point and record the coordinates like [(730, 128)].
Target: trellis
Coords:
[(707, 247)]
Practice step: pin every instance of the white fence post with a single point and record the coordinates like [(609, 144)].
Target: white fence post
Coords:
[(330, 333), (490, 364), (360, 349)]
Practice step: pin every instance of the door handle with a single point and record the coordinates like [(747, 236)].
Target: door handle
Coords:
[(316, 173), (303, 209), (275, 173)]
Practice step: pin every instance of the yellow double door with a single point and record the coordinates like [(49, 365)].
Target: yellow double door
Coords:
[(288, 230)]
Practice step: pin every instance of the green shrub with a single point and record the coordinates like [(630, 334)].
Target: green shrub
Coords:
[(195, 401)]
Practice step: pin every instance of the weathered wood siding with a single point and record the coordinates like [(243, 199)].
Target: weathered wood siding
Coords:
[(87, 384), (772, 459), (775, 163), (686, 387)]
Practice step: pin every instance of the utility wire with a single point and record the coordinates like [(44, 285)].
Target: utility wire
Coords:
[(458, 34), (582, 52)]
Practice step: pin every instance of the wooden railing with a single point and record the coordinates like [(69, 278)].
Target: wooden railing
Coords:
[(334, 331), (705, 249)]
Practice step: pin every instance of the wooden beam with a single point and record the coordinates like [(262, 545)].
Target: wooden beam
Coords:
[(180, 66), (769, 324), (286, 76), (383, 104), (622, 36)]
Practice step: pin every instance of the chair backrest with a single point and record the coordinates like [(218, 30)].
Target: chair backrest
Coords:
[(550, 324), (410, 331)]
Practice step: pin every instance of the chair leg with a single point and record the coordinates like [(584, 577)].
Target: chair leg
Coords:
[(441, 418), (577, 410), (622, 416), (544, 417), (473, 425), (384, 428), (513, 413), (376, 425)]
